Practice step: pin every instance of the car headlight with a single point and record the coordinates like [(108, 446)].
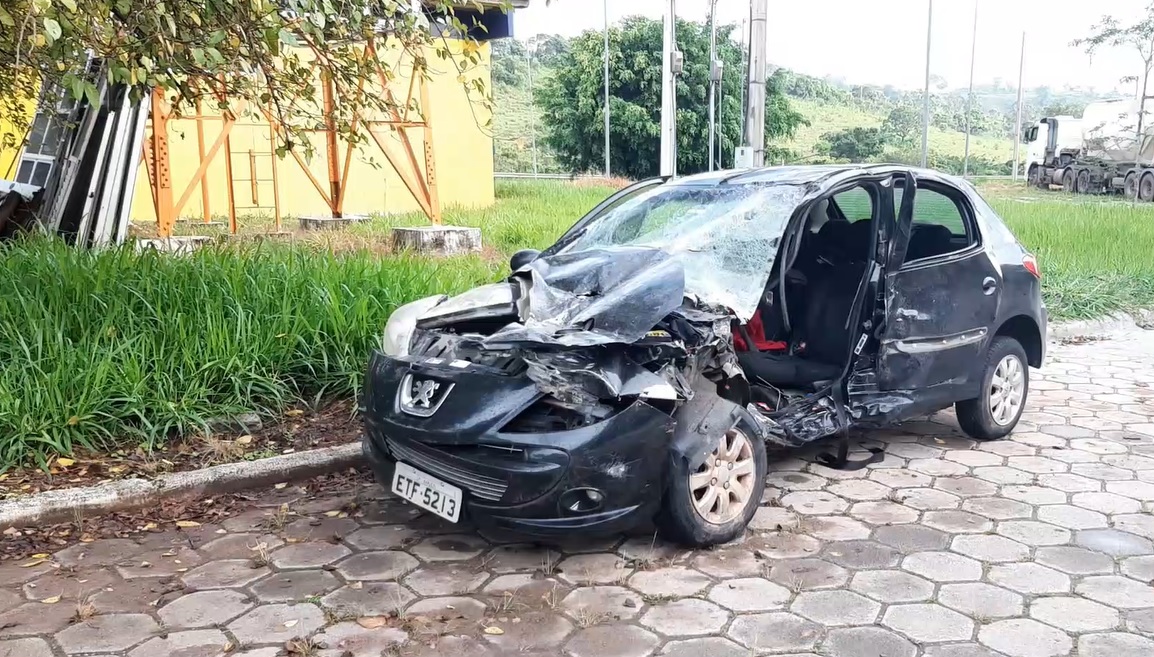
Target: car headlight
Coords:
[(399, 328)]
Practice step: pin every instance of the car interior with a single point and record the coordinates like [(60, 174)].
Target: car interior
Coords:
[(800, 343)]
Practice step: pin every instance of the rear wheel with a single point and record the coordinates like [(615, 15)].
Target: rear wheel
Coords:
[(1005, 385), (1068, 179), (1146, 187), (1082, 183), (1130, 186), (714, 503)]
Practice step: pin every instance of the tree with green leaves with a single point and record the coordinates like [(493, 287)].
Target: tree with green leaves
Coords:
[(571, 100), (853, 144), (1109, 32), (265, 52), (903, 124)]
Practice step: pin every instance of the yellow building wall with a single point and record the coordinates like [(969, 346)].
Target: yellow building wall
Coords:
[(462, 146), (12, 139)]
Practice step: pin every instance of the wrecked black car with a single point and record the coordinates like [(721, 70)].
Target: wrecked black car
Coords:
[(640, 366)]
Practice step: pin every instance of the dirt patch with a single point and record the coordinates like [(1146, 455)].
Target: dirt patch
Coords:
[(298, 430)]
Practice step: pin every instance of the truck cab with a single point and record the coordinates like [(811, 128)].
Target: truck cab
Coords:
[(1051, 141)]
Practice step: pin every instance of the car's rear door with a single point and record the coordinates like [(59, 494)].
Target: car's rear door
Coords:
[(941, 295)]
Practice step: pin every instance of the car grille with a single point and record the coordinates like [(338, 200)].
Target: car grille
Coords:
[(486, 488)]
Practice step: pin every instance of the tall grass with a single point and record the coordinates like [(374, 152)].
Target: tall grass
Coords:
[(100, 347)]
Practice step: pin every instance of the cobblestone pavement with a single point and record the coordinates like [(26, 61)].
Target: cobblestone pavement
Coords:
[(1036, 546)]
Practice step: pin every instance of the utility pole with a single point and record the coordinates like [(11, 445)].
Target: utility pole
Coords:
[(926, 96), (606, 7), (670, 66), (532, 120), (744, 73), (970, 96), (714, 78), (755, 112), (1018, 121)]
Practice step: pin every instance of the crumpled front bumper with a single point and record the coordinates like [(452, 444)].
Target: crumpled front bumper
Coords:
[(514, 480)]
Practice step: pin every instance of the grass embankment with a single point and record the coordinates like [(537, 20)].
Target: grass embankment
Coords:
[(114, 348)]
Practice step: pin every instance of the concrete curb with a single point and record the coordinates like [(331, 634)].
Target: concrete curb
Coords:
[(64, 505), (1115, 323)]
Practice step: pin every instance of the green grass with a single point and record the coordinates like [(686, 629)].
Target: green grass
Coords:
[(104, 349)]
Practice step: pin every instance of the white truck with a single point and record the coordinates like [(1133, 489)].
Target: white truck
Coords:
[(1100, 153)]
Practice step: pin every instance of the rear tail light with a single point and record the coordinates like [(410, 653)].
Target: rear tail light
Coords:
[(1031, 265)]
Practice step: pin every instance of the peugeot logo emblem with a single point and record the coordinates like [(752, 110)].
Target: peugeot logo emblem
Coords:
[(422, 397)]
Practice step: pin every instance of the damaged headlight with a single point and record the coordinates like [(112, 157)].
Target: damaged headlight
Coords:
[(399, 328)]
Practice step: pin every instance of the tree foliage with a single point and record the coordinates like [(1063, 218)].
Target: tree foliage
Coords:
[(853, 144), (572, 100), (269, 53)]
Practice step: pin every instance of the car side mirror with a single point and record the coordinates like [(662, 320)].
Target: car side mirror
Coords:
[(523, 257)]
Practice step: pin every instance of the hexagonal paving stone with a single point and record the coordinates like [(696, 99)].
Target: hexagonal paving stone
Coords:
[(990, 548), (308, 555), (808, 574), (1074, 614), (108, 633), (774, 632), (1140, 568), (774, 518), (1101, 472), (65, 583), (1034, 533), (974, 458), (785, 545), (675, 580), (507, 559), (858, 555), (1096, 446), (1115, 644), (1029, 578), (866, 642), (911, 538), (883, 513), (900, 478), (318, 529), (1024, 638), (9, 599), (722, 564), (685, 617), (159, 563), (587, 569), (239, 546), (814, 503), (831, 608), (449, 547), (1113, 542), (1000, 474), (792, 481), (1070, 483), (277, 623), (1071, 517), (943, 567), (613, 601), (376, 566), (1108, 503), (927, 499), (108, 552), (938, 467), (1034, 495), (960, 650), (749, 594), (196, 643), (204, 609), (981, 600), (928, 623), (224, 574), (711, 647), (31, 647), (351, 640), (1138, 524), (1036, 464), (998, 508), (1118, 592), (35, 618), (612, 641), (957, 522), (860, 490), (446, 580), (892, 586), (449, 606), (372, 599), (295, 586), (1074, 560), (966, 486), (536, 630)]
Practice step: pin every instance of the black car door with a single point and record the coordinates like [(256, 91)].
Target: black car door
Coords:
[(941, 292)]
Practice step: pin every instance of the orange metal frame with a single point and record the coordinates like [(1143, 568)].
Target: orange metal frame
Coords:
[(419, 175)]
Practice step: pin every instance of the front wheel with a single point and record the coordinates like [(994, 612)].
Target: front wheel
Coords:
[(995, 412), (1034, 176), (714, 503)]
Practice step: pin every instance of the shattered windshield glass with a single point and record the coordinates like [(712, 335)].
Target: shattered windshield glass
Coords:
[(725, 236)]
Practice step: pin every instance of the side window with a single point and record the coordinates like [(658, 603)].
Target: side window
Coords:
[(855, 204), (940, 226)]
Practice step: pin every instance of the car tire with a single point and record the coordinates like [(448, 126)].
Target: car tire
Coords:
[(1146, 187), (1130, 185), (683, 522), (1034, 176), (983, 418), (1082, 183), (1068, 178)]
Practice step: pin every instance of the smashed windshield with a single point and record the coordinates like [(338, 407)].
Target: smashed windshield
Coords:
[(725, 236)]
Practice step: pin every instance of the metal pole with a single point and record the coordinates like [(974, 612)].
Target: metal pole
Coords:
[(744, 73), (532, 118), (712, 81), (669, 93), (757, 77), (970, 95), (1018, 121), (606, 7), (926, 95)]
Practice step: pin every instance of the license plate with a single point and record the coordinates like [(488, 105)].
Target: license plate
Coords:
[(427, 492)]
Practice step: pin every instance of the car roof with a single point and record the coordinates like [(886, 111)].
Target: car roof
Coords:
[(801, 174)]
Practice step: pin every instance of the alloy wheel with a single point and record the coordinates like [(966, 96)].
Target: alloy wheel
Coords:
[(1007, 390), (722, 486)]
